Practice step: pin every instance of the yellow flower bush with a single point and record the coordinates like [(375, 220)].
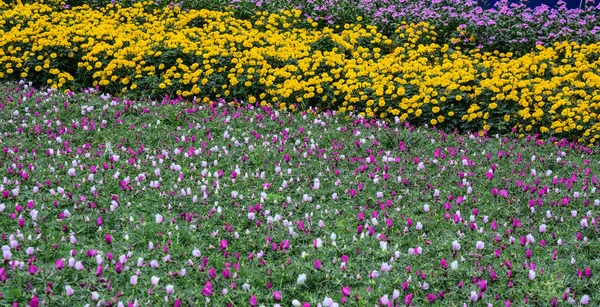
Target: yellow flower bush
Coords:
[(282, 60)]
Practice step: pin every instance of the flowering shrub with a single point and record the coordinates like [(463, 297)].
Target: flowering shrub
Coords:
[(506, 27), (282, 61), (109, 201)]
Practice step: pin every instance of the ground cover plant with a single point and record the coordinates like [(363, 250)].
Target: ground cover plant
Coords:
[(288, 62), (109, 201)]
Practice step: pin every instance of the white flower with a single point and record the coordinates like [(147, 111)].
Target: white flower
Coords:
[(301, 279), (531, 274), (454, 265)]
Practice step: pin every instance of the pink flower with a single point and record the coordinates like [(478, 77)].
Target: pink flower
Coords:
[(585, 300), (196, 253), (480, 245), (277, 296), (69, 290), (108, 239), (34, 302), (431, 297), (455, 245), (408, 299), (531, 274), (317, 264), (473, 296), (253, 301), (207, 290), (223, 244), (170, 289), (32, 269), (59, 264), (346, 291)]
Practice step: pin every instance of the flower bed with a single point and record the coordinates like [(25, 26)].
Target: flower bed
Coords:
[(108, 201), (280, 60)]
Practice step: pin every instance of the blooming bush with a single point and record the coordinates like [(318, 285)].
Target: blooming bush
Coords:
[(506, 27), (109, 201)]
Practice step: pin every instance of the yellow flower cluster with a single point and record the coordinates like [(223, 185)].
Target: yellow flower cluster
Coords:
[(282, 60)]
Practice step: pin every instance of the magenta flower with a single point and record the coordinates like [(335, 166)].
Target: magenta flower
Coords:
[(223, 244), (59, 264), (588, 272), (253, 301), (346, 291), (108, 239), (408, 299), (207, 290), (431, 298), (317, 264), (34, 302), (32, 269), (277, 296)]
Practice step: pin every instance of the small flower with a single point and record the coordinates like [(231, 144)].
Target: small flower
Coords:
[(585, 299), (455, 245), (346, 291), (474, 296), (69, 290), (196, 253), (301, 279), (170, 289), (317, 243), (480, 245), (531, 274), (133, 280), (253, 301), (277, 296)]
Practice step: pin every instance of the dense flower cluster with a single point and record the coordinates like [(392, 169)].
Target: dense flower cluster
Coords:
[(113, 202), (279, 60), (505, 27)]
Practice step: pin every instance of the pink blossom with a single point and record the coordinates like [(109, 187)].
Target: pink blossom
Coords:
[(69, 290), (253, 300)]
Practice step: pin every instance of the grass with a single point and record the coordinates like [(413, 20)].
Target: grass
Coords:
[(301, 180)]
